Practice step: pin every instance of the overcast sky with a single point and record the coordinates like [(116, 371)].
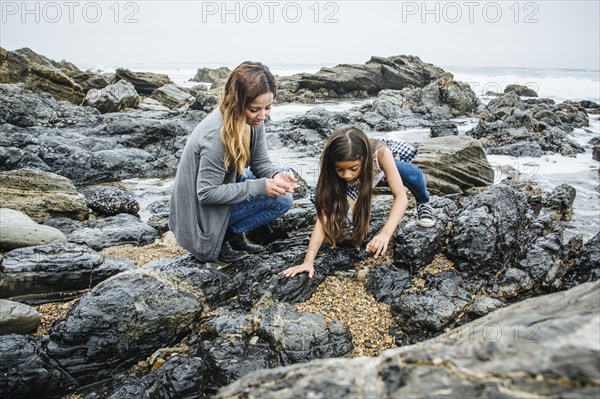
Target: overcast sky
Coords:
[(555, 34)]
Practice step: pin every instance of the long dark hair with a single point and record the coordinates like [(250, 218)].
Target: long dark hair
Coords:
[(245, 83), (349, 144)]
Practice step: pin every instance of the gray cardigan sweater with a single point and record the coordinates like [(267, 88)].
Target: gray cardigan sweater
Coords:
[(204, 190)]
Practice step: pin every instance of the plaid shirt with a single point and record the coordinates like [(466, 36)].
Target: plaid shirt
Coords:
[(401, 150)]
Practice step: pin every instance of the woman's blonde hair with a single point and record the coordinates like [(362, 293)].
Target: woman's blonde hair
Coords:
[(245, 83)]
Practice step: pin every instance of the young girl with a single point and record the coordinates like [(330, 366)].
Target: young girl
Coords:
[(351, 165)]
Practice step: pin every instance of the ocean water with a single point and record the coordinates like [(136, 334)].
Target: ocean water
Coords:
[(582, 172)]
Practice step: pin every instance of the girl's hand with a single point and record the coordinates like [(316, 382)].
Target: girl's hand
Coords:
[(277, 187), (379, 244), (287, 177), (305, 267)]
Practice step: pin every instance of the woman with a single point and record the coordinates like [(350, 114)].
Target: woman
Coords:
[(216, 197)]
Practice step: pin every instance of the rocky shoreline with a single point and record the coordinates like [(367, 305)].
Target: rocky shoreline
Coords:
[(496, 252)]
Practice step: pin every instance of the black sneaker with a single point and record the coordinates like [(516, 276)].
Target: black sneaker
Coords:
[(425, 216), (230, 255), (239, 242)]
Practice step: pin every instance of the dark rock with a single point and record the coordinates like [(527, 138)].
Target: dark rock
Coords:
[(89, 80), (586, 265), (120, 321), (216, 76), (540, 125), (560, 200), (54, 268), (589, 104), (27, 372), (549, 336), (181, 377), (415, 246), (235, 344), (120, 229), (444, 129), (144, 82), (110, 200), (357, 81), (113, 98), (520, 90), (26, 109), (386, 283), (427, 311), (205, 102), (160, 214), (486, 233)]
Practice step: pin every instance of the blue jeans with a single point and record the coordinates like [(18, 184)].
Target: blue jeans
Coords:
[(255, 212), (414, 180)]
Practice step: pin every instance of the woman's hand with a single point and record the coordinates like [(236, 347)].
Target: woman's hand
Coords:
[(287, 177), (277, 187), (305, 267), (378, 245)]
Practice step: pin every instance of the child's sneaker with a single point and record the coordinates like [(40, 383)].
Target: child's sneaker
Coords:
[(425, 216)]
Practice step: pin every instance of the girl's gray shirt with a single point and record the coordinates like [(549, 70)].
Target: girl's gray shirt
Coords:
[(204, 190)]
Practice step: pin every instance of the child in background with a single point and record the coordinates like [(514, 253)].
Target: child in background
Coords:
[(351, 165)]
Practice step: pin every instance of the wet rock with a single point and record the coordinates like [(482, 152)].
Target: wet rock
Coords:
[(520, 90), (302, 216), (444, 129), (453, 165), (160, 214), (27, 372), (357, 81), (386, 283), (120, 229), (26, 109), (554, 337), (181, 377), (172, 96), (54, 268), (120, 321), (205, 102), (560, 200), (586, 265), (18, 230), (144, 82), (41, 195), (110, 200), (89, 80), (216, 76), (538, 126), (235, 344), (17, 318), (440, 100), (120, 146), (415, 246), (486, 233), (113, 98)]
